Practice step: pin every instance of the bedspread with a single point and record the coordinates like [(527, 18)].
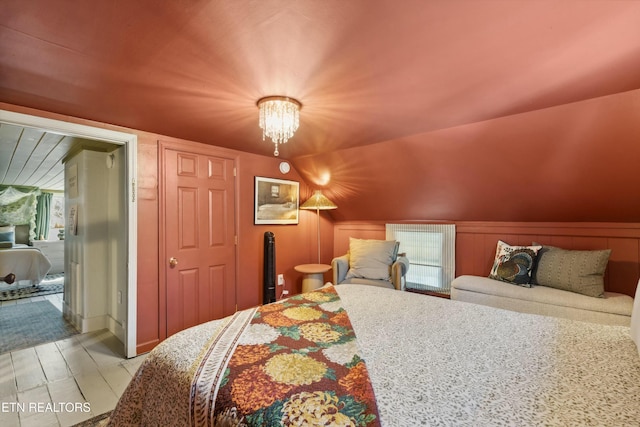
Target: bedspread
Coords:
[(433, 362), (438, 362), (26, 263), (294, 362)]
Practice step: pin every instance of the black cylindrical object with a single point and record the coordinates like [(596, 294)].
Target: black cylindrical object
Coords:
[(269, 294)]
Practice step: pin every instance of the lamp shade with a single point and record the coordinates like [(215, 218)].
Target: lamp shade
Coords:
[(318, 201)]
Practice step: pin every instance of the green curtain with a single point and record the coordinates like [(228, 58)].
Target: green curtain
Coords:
[(43, 212)]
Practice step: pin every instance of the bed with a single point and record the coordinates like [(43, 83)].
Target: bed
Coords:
[(428, 361), (18, 260), (25, 263)]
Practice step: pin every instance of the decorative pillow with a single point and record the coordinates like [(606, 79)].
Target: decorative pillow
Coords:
[(581, 272), (513, 264), (22, 233), (371, 259), (635, 318), (8, 234)]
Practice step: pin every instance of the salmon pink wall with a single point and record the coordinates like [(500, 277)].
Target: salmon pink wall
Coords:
[(575, 162), (295, 244), (476, 244)]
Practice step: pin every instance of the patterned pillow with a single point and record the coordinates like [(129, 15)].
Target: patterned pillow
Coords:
[(513, 264), (581, 272)]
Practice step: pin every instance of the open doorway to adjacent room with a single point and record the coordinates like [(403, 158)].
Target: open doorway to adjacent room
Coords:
[(91, 242)]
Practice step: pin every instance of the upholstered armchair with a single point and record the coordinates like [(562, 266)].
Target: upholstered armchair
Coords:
[(371, 262)]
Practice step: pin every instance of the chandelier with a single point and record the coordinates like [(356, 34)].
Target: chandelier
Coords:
[(279, 118)]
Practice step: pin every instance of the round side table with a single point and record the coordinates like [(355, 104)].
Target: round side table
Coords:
[(313, 275)]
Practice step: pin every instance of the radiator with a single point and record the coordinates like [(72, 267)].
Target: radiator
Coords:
[(431, 251)]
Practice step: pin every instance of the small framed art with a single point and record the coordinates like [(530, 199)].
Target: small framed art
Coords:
[(276, 201)]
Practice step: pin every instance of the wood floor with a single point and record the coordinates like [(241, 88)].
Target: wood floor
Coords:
[(64, 382)]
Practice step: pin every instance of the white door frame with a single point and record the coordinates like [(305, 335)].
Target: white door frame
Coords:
[(130, 142)]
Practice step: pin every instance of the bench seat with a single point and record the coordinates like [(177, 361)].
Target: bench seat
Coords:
[(613, 309)]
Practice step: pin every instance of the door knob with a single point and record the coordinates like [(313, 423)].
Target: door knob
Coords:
[(173, 261)]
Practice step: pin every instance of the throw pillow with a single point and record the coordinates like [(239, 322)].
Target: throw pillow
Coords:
[(8, 234), (635, 318), (581, 272), (371, 259), (513, 264)]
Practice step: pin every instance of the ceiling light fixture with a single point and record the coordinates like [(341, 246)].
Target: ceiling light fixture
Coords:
[(279, 118)]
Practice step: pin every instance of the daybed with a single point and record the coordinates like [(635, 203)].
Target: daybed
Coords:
[(612, 309), (550, 281), (428, 361)]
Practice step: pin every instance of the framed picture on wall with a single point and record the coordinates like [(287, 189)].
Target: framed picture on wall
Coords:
[(72, 223), (276, 201)]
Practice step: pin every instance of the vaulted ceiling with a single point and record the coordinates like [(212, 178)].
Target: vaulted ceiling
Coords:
[(458, 98), (365, 70)]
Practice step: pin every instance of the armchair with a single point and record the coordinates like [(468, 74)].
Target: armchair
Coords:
[(371, 262)]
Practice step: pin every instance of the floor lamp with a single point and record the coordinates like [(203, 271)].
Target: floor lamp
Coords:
[(320, 203)]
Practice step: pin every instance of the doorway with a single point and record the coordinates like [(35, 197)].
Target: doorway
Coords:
[(129, 143)]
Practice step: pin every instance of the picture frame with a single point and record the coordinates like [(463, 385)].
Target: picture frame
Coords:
[(72, 223), (277, 201)]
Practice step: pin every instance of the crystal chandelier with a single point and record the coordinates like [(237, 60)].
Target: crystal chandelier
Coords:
[(279, 118)]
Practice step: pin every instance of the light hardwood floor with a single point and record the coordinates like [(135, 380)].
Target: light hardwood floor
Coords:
[(64, 382)]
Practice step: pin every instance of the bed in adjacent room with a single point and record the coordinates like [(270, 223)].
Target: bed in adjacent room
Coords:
[(24, 264), (18, 260), (318, 357)]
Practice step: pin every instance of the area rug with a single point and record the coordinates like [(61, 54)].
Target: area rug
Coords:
[(52, 284), (97, 421), (30, 324)]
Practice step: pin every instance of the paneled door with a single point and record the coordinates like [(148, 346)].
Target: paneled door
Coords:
[(199, 238)]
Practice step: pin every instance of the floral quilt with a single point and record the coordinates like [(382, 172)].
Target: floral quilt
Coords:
[(296, 362), (293, 362)]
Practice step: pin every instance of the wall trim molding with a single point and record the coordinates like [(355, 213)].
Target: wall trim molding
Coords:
[(594, 229), (476, 243)]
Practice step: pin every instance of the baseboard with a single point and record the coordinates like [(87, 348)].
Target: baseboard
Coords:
[(146, 346), (95, 323), (430, 293), (116, 329)]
